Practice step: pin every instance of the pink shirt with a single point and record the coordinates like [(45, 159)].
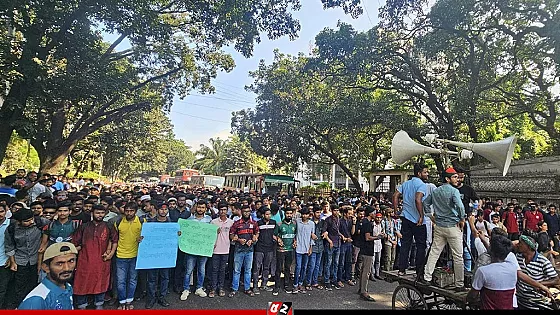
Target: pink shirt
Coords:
[(223, 242)]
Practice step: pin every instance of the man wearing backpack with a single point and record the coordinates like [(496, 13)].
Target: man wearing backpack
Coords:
[(59, 230), (129, 230), (22, 247)]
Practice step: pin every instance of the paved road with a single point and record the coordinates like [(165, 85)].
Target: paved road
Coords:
[(345, 298)]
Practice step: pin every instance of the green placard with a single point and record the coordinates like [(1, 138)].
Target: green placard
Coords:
[(197, 238)]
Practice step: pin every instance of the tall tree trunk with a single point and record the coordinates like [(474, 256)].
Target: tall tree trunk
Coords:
[(51, 159), (6, 131)]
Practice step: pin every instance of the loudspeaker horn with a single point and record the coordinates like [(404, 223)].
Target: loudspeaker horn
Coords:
[(499, 153), (403, 148)]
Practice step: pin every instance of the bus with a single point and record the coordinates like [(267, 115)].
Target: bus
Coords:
[(184, 176), (207, 181), (270, 184)]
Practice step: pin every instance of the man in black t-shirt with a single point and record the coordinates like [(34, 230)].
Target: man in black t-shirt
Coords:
[(263, 256), (366, 252), (357, 241), (76, 212)]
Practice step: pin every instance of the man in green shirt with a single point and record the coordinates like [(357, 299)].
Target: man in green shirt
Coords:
[(449, 220), (284, 235)]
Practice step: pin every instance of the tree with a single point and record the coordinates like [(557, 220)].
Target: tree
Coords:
[(229, 156), (19, 154), (300, 117), (64, 82), (179, 155), (143, 143), (211, 158)]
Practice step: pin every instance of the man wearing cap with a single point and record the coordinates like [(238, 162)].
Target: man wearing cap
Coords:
[(540, 269), (449, 213), (54, 292), (144, 203), (97, 242)]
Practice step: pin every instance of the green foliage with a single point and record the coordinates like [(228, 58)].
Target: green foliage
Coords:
[(64, 81), (229, 156), (472, 71), (20, 154)]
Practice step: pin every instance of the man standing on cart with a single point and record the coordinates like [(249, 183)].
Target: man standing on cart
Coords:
[(412, 217), (449, 213)]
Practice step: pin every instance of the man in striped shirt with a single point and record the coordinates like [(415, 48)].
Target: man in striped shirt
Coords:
[(244, 233), (539, 269)]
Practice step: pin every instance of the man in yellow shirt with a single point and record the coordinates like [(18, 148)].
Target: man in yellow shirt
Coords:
[(129, 229)]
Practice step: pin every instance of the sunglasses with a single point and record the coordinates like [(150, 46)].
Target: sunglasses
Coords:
[(48, 212)]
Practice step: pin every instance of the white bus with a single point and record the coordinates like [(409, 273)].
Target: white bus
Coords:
[(207, 181)]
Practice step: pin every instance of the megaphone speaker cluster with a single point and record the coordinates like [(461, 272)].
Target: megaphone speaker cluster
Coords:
[(499, 153)]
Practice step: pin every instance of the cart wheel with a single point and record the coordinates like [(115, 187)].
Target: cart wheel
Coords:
[(406, 297)]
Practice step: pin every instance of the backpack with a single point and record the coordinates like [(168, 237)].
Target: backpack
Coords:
[(119, 220), (75, 225)]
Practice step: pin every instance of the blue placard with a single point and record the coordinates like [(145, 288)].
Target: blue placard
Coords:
[(158, 248)]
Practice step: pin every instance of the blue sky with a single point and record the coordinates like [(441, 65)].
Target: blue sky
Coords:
[(198, 118)]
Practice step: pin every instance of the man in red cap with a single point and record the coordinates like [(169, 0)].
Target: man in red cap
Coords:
[(449, 213)]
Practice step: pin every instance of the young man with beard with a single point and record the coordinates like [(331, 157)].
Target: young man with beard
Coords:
[(412, 219), (220, 255), (449, 218), (96, 241), (88, 206), (158, 276), (264, 252), (284, 235), (129, 229), (77, 212), (193, 261), (54, 292), (244, 233)]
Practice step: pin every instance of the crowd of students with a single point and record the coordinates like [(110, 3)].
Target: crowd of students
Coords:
[(298, 243)]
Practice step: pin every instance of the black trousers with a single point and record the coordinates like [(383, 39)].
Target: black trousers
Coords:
[(25, 280), (177, 276), (409, 230), (5, 276), (283, 263)]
